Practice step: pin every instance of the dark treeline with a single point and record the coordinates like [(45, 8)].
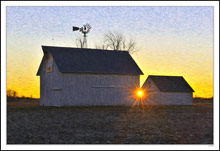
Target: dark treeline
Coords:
[(202, 100), (13, 95)]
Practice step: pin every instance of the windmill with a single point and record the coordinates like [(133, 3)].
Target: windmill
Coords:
[(84, 30)]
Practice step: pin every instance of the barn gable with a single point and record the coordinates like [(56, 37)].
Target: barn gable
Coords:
[(150, 85), (170, 83), (81, 60)]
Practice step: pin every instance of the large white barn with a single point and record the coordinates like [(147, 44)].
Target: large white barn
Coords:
[(87, 77), (167, 90)]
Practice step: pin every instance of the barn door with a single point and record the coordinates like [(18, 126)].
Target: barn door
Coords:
[(57, 99)]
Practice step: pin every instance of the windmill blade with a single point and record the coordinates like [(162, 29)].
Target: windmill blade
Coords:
[(89, 27)]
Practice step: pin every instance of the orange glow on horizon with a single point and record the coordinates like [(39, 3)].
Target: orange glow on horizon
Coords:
[(21, 74)]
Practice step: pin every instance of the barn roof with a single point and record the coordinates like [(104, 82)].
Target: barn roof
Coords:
[(171, 83), (83, 60)]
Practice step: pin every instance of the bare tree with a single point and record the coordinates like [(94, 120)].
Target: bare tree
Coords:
[(14, 94), (79, 42), (117, 41), (9, 93)]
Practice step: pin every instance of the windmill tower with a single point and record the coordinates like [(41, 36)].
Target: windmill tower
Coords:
[(84, 30)]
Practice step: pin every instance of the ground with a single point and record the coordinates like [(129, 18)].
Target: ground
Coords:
[(28, 123)]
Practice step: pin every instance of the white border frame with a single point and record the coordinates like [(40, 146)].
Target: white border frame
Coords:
[(4, 4)]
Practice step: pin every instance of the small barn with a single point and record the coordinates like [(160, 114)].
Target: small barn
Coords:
[(167, 90), (86, 77)]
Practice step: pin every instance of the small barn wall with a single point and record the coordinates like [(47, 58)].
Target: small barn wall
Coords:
[(155, 97), (169, 98), (72, 89)]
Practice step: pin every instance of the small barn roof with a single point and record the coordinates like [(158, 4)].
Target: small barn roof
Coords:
[(83, 60), (171, 83)]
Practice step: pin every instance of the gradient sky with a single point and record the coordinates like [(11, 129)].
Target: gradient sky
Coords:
[(170, 40)]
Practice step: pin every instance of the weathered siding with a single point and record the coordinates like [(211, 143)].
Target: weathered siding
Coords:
[(155, 97), (169, 98), (49, 83), (97, 89), (71, 89)]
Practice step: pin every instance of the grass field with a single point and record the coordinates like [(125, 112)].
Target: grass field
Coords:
[(28, 123)]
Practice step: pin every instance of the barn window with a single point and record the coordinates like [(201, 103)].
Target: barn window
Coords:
[(49, 64)]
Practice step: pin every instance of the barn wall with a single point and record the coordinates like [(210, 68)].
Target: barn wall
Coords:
[(155, 97), (50, 82), (98, 89), (68, 89)]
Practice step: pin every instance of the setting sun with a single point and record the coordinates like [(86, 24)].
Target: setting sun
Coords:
[(140, 93)]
